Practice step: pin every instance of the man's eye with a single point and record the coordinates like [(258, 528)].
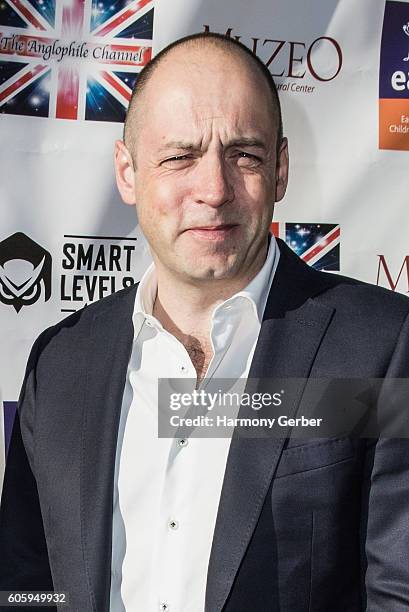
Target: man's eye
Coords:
[(176, 160), (248, 159)]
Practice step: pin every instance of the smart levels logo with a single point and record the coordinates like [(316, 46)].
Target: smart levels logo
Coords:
[(72, 59), (394, 78), (318, 244), (93, 267), (25, 271)]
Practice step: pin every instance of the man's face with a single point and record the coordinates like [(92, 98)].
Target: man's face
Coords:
[(206, 167)]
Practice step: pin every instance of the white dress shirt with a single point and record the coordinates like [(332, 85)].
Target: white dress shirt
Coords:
[(167, 491)]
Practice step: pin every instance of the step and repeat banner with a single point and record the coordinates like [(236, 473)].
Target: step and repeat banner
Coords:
[(67, 68)]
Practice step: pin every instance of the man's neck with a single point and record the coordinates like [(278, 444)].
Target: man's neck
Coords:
[(186, 307), (185, 310)]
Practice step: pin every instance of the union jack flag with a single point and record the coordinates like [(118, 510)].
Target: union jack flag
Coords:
[(318, 244), (72, 59)]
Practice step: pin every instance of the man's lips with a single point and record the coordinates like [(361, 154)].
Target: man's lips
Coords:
[(212, 232), (212, 228)]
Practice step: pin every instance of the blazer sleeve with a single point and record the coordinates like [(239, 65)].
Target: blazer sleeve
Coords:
[(386, 516), (24, 563)]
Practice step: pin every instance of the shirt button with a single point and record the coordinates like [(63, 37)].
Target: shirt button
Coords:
[(183, 369), (164, 607), (182, 442), (173, 524), (149, 324)]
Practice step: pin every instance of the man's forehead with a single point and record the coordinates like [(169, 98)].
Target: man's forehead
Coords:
[(196, 85), (192, 128), (194, 104)]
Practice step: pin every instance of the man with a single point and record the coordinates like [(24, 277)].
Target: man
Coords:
[(94, 502)]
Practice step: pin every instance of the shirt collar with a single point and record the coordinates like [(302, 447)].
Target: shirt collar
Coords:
[(256, 292), (258, 288), (146, 293)]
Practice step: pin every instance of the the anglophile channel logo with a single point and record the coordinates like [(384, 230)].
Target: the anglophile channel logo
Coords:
[(394, 78), (318, 244), (25, 271), (72, 59)]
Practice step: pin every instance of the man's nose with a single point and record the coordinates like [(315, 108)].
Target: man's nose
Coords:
[(213, 185)]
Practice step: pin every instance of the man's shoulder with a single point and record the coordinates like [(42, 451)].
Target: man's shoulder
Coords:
[(347, 292), (351, 299), (84, 316), (364, 313), (75, 329)]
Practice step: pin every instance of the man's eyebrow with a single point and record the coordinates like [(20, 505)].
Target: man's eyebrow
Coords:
[(241, 141), (178, 144), (246, 142)]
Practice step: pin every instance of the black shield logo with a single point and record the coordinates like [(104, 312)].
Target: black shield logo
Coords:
[(25, 271)]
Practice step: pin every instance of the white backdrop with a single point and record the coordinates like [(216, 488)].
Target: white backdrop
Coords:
[(66, 72)]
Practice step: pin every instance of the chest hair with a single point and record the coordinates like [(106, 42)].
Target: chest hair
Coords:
[(200, 352)]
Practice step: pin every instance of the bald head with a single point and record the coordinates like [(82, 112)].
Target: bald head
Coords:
[(222, 58)]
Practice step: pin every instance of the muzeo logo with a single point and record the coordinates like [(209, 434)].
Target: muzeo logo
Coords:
[(392, 278), (394, 78), (25, 271), (298, 63)]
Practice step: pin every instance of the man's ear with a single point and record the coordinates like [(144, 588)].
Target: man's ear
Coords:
[(282, 170), (124, 173)]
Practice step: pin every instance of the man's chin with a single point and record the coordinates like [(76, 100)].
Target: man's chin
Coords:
[(210, 273)]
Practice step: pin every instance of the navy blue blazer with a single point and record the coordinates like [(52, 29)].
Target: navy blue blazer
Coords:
[(319, 525)]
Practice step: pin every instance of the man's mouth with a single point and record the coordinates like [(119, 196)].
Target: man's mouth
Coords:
[(212, 232)]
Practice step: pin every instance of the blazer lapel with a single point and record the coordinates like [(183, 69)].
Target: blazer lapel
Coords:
[(110, 348), (292, 329)]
